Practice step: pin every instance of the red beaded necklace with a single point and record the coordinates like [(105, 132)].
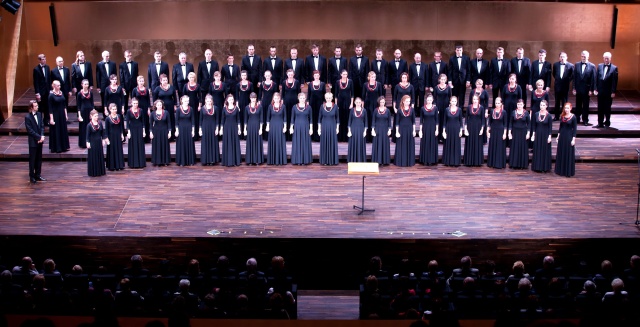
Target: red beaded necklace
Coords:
[(313, 85), (230, 111), (276, 108), (539, 95), (185, 112), (142, 90), (209, 111), (426, 107), (216, 87), (325, 108), (513, 89), (95, 126), (403, 86), (115, 120), (542, 117), (406, 112), (244, 87), (86, 95), (159, 117), (253, 109), (136, 114), (298, 107), (567, 118), (499, 111), (475, 111), (372, 87), (195, 86), (519, 116), (344, 85), (292, 83), (264, 86), (382, 110), (356, 111)]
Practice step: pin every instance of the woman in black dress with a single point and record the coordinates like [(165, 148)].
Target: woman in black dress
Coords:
[(484, 102), (192, 90), (371, 91), (497, 135), (58, 134), (136, 134), (473, 130), (114, 93), (566, 151), (442, 93), (254, 153), (267, 89), (301, 130), (328, 127), (160, 134), (95, 141), (451, 133), (216, 89), (209, 125), (277, 127), (405, 155), (316, 90), (519, 134), (511, 93), (381, 131), (357, 131), (185, 131), (114, 130), (538, 95), (144, 102), (230, 131), (541, 126), (344, 99), (84, 100), (169, 97), (243, 91), (289, 89), (403, 88), (429, 132)]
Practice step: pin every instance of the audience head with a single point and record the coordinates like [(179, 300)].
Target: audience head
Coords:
[(617, 285), (252, 264), (49, 266), (136, 261), (524, 285), (184, 285)]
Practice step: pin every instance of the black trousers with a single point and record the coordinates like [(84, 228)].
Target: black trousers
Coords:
[(562, 96), (604, 109), (582, 106), (35, 160)]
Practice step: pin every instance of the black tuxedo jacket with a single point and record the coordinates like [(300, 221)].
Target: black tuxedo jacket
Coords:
[(381, 73), (35, 130), (64, 78), (482, 74), (298, 73), (334, 69), (459, 74), (583, 82), (419, 81), (562, 84), (42, 80), (499, 77), (359, 76), (77, 76), (434, 74), (153, 77), (607, 84), (230, 78), (129, 80), (253, 71), (522, 71), (395, 72), (544, 74), (205, 76), (180, 80), (310, 66), (102, 77), (276, 70)]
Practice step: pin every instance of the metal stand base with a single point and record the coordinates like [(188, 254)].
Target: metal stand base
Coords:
[(362, 209)]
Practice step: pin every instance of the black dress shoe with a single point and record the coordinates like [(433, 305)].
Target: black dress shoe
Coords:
[(586, 124), (40, 178), (32, 180)]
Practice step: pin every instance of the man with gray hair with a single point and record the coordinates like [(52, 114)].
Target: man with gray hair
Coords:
[(181, 72), (606, 86), (104, 69)]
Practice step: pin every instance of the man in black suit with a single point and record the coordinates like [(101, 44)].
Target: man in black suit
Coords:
[(584, 83), (540, 69), (230, 75), (42, 84), (606, 86), (296, 64), (181, 72), (104, 69), (315, 61), (395, 68), (155, 69), (252, 64), (35, 129), (459, 74), (128, 75), (521, 66), (562, 76), (206, 69), (358, 70), (336, 64), (499, 73), (273, 64), (480, 69), (418, 73), (80, 70), (436, 68), (380, 67), (63, 75)]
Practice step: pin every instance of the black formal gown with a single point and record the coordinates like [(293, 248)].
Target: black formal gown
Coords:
[(135, 123), (58, 133), (343, 99), (85, 105), (116, 96), (242, 97), (209, 143), (193, 92), (290, 98), (160, 148), (566, 153), (405, 154), (144, 102), (329, 120), (473, 146), (254, 153), (231, 155), (168, 96), (357, 150), (114, 129), (301, 153), (277, 145), (429, 140), (510, 99), (401, 91), (370, 95), (541, 126), (217, 92), (536, 99), (452, 146), (316, 100), (519, 148), (441, 98), (381, 144), (484, 102), (266, 96), (497, 154), (185, 146), (94, 134)]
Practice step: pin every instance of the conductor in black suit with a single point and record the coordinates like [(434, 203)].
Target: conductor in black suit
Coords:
[(380, 66), (63, 75), (128, 75), (395, 68), (606, 86), (315, 61), (521, 66), (155, 69), (459, 74), (541, 69), (80, 70), (418, 74), (181, 72), (296, 64), (436, 67), (273, 64), (358, 70), (42, 83), (562, 76), (336, 64), (480, 69), (584, 83), (499, 73), (35, 129), (230, 75), (252, 64), (206, 69)]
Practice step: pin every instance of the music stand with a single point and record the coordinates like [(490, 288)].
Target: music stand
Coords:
[(363, 169)]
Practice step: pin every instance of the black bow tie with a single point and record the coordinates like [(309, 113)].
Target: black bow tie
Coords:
[(315, 57), (479, 60), (359, 57), (251, 56), (59, 68), (584, 63), (561, 64), (183, 65), (81, 63), (273, 58), (128, 62), (157, 64), (337, 58), (417, 64), (437, 62), (519, 59), (459, 57), (607, 65), (230, 65), (208, 62), (397, 60), (499, 59)]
